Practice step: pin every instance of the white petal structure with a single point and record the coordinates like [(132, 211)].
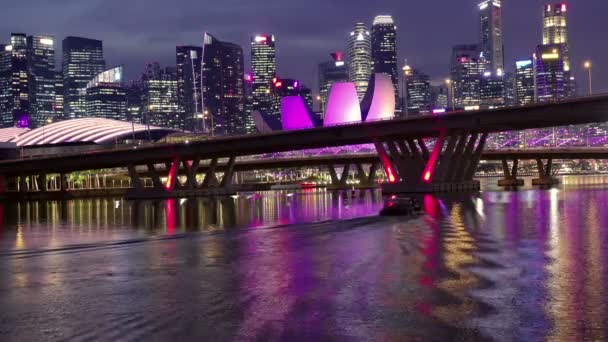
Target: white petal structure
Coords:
[(379, 101), (342, 105), (87, 130)]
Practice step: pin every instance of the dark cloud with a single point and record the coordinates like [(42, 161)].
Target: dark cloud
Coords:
[(137, 31)]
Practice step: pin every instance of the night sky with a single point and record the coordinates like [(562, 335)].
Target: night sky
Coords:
[(138, 31)]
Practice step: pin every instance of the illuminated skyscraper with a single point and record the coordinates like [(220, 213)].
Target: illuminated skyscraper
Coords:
[(492, 90), (360, 58), (189, 72), (263, 69), (106, 96), (58, 95), (160, 103), (551, 76), (418, 93), (15, 100), (555, 34), (466, 72), (82, 61), (41, 73), (331, 72), (490, 43), (524, 82), (223, 88), (384, 48)]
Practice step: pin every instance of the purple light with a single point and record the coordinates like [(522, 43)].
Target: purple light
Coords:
[(23, 121), (342, 105), (294, 114)]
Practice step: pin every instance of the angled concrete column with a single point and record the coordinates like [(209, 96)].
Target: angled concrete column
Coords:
[(510, 174), (210, 178), (43, 186), (23, 187), (228, 173), (192, 171), (545, 174), (63, 182), (475, 157), (462, 162), (135, 180), (156, 180)]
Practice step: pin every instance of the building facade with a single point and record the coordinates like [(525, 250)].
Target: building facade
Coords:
[(466, 72), (82, 61), (263, 70), (524, 82), (160, 102), (189, 61), (41, 74), (384, 49), (223, 87), (491, 41), (331, 72), (14, 74), (418, 88), (360, 66), (106, 96), (551, 77), (492, 90), (555, 34)]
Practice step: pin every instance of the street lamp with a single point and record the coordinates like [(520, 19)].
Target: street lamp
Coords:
[(450, 85), (407, 71), (589, 66)]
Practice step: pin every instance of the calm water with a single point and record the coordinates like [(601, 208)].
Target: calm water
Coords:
[(527, 265)]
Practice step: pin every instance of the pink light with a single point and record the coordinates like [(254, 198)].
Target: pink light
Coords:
[(343, 105), (439, 111), (260, 39), (279, 84), (564, 7), (386, 163), (296, 84), (172, 175), (427, 175), (274, 80)]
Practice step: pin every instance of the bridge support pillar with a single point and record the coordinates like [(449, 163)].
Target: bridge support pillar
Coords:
[(545, 174), (43, 182), (510, 179), (63, 182), (338, 181), (366, 180), (449, 167)]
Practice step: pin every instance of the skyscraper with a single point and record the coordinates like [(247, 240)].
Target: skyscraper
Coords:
[(439, 97), (189, 72), (106, 96), (524, 82), (331, 72), (466, 70), (360, 58), (490, 43), (160, 103), (492, 92), (555, 34), (551, 76), (418, 88), (263, 69), (223, 88), (41, 74), (384, 48), (82, 61), (58, 95), (15, 95)]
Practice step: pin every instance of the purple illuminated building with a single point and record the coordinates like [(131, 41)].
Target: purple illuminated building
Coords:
[(342, 105), (379, 100), (295, 114)]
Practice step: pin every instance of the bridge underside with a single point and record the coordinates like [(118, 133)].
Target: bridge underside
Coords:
[(411, 168)]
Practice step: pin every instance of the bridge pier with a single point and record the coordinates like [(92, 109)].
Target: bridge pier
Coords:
[(449, 167), (545, 174), (510, 179), (172, 187)]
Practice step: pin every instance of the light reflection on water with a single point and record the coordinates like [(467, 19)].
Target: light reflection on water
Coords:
[(41, 224), (527, 265)]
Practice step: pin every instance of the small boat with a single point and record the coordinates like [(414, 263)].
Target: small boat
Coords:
[(400, 206)]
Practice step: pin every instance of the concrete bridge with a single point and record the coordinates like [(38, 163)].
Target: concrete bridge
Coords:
[(403, 146)]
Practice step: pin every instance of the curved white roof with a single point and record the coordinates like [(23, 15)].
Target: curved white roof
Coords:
[(87, 130), (9, 134)]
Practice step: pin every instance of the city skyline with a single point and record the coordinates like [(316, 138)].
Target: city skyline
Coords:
[(304, 39)]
